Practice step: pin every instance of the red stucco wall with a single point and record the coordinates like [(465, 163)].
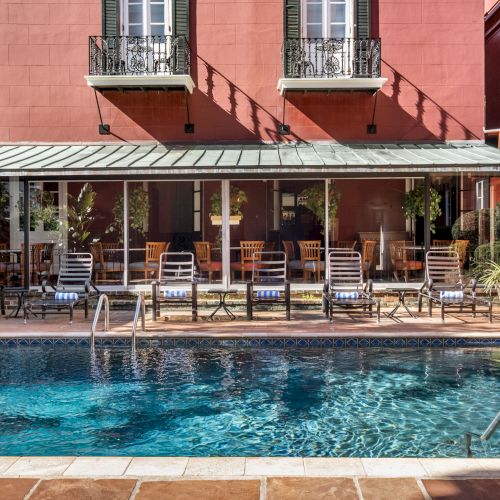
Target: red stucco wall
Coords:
[(492, 55), (432, 52)]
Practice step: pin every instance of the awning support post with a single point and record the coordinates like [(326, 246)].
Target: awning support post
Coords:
[(427, 212), (26, 219), (226, 236), (125, 233), (327, 226)]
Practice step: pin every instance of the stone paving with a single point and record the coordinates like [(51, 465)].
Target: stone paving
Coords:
[(304, 323), (259, 478), (266, 488)]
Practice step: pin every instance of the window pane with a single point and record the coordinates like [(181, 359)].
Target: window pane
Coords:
[(314, 13), (157, 13), (337, 30), (135, 13), (135, 30), (157, 29), (314, 31), (337, 13)]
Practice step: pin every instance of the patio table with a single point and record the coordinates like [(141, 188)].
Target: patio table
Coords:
[(20, 294), (401, 291), (222, 293)]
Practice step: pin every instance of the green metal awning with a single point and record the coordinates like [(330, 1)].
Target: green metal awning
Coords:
[(245, 161)]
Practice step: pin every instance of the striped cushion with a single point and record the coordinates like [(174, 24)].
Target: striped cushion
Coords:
[(177, 294), (268, 294), (66, 296), (451, 294), (346, 295)]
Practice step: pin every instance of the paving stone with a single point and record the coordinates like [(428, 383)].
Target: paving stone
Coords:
[(84, 489), (465, 489), (98, 466), (306, 488), (397, 488), (15, 489), (274, 466), (39, 466), (206, 490), (319, 466), (156, 466), (215, 466), (393, 467)]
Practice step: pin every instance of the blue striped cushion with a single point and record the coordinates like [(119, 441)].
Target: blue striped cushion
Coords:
[(451, 294), (346, 295), (66, 296), (268, 294), (175, 294)]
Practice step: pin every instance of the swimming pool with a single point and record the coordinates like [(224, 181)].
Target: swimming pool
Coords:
[(246, 402)]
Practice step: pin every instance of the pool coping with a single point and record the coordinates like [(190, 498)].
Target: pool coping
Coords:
[(245, 467)]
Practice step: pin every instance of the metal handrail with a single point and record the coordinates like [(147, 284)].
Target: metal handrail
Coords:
[(490, 430), (103, 299), (140, 309)]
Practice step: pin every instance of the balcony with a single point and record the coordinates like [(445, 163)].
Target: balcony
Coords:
[(331, 64), (139, 63)]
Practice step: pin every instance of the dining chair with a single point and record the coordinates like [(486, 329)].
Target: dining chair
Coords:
[(367, 254), (248, 250), (441, 243), (401, 259), (461, 247), (151, 263), (344, 244), (293, 264), (310, 258), (203, 251)]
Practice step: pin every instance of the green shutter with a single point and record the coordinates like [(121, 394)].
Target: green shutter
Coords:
[(110, 17), (181, 30), (292, 19), (363, 19)]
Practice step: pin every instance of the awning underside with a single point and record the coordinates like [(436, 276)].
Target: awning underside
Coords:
[(188, 160)]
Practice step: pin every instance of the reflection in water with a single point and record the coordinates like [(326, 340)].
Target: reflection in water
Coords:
[(227, 402)]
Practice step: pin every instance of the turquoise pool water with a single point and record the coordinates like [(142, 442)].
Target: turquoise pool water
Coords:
[(247, 402)]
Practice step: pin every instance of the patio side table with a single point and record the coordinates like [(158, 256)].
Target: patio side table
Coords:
[(20, 294), (401, 300), (222, 302)]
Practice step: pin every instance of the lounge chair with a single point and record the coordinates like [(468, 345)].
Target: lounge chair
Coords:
[(345, 290), (444, 286), (176, 284), (269, 283), (74, 286)]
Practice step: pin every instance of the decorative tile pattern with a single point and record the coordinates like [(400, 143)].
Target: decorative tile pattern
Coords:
[(267, 342)]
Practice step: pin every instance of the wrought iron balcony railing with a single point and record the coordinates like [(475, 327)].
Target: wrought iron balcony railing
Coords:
[(138, 55), (331, 58)]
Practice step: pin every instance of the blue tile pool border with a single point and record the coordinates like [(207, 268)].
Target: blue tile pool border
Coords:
[(270, 342)]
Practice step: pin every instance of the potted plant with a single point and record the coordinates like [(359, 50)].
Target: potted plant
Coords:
[(314, 200), (237, 199), (414, 205), (138, 212), (81, 216)]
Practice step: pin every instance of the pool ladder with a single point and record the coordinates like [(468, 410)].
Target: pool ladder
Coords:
[(495, 423), (140, 310)]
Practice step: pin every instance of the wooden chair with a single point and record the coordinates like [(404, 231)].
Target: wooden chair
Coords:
[(203, 250), (461, 247), (367, 254), (151, 263), (401, 259), (310, 258), (248, 251), (293, 264), (346, 244), (441, 243)]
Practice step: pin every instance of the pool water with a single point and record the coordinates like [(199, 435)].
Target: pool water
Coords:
[(247, 402)]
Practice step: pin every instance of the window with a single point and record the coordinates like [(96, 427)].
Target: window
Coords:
[(147, 17), (327, 18)]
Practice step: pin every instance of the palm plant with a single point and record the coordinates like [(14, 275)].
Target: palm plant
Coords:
[(81, 216), (491, 277)]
